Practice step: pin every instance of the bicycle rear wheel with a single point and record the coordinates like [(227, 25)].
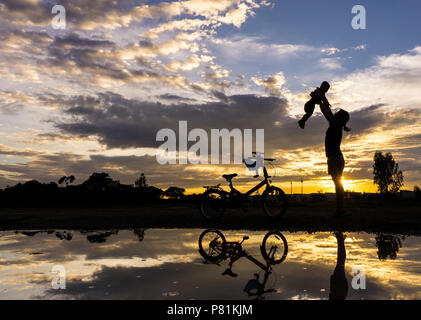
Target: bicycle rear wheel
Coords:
[(274, 202), (213, 204), (212, 245), (274, 247)]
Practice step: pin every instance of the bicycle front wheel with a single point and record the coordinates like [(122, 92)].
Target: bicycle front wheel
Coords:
[(274, 202), (274, 247), (213, 204), (212, 245)]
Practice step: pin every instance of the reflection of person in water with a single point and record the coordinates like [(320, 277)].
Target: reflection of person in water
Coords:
[(338, 281)]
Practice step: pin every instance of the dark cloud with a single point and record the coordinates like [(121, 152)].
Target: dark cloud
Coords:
[(121, 122), (73, 39), (176, 98), (10, 108)]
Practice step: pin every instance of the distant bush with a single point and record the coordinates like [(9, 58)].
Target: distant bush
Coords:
[(417, 191), (319, 196)]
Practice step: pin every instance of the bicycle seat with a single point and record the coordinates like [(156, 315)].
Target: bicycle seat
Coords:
[(229, 177)]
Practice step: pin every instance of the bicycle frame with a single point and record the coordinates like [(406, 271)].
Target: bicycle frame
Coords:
[(257, 262), (232, 246), (264, 182)]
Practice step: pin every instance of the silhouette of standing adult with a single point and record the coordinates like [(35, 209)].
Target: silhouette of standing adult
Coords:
[(335, 159)]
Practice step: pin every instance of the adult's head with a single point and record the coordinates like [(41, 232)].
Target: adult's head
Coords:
[(342, 117)]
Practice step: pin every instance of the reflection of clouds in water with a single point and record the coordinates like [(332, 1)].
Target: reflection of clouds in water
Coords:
[(167, 261)]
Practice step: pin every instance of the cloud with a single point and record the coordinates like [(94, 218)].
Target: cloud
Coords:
[(192, 63), (251, 48), (111, 14), (11, 102), (331, 63), (272, 84), (361, 47), (393, 80), (121, 122), (331, 51)]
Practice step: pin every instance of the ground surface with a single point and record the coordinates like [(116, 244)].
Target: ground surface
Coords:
[(384, 219)]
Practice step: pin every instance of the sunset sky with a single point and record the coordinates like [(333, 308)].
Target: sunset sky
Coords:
[(91, 97)]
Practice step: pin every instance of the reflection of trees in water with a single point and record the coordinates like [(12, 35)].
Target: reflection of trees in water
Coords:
[(388, 246), (64, 235), (91, 235), (101, 237), (33, 233), (140, 233), (98, 236)]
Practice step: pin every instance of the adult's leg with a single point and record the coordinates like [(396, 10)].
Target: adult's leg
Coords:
[(340, 192)]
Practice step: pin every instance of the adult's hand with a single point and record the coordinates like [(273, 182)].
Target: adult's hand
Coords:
[(327, 112)]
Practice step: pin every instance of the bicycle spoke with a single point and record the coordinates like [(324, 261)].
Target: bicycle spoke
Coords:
[(213, 205), (274, 202)]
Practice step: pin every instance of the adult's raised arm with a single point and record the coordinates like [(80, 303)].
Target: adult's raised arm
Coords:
[(327, 112)]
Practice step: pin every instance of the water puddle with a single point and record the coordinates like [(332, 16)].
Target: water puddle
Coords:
[(167, 264)]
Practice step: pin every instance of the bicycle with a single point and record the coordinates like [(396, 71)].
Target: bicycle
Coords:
[(215, 200), (215, 248)]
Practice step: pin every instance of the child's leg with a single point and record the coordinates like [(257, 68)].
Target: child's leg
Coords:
[(309, 109), (305, 117)]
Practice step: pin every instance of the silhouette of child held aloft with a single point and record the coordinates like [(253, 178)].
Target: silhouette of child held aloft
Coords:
[(317, 97)]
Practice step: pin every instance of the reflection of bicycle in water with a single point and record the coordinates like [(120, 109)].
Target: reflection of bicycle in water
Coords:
[(215, 248), (215, 200)]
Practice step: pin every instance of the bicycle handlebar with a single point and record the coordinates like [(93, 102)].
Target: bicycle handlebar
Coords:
[(266, 159)]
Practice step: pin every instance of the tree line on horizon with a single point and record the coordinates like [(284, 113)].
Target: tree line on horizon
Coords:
[(100, 188)]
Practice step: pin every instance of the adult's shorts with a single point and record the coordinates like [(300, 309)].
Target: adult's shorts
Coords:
[(335, 165)]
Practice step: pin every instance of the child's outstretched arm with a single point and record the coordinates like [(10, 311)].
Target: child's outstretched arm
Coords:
[(325, 101)]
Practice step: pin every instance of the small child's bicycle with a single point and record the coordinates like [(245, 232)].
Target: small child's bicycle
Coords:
[(215, 200)]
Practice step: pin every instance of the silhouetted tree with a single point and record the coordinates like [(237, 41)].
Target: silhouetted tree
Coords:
[(387, 176), (99, 181), (141, 181), (153, 192), (174, 192), (66, 180)]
